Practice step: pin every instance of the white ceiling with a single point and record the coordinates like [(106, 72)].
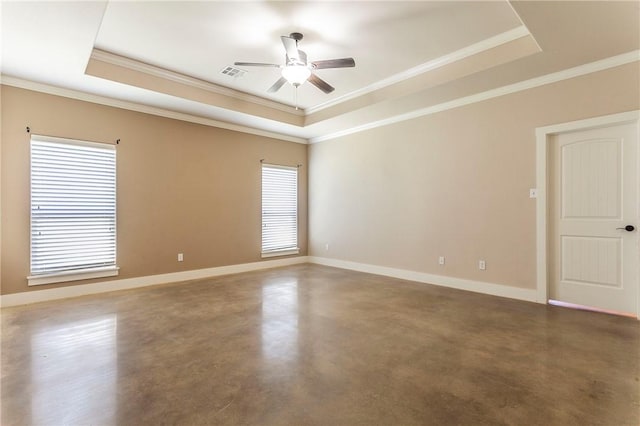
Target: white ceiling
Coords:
[(200, 38), (402, 51)]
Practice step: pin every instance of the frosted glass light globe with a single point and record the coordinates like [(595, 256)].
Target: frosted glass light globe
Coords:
[(296, 74)]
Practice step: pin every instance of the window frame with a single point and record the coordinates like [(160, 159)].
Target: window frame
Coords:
[(52, 277), (284, 251)]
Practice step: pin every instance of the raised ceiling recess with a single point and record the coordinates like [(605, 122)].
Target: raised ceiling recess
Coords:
[(410, 56)]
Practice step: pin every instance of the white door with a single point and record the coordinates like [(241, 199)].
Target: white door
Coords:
[(593, 197)]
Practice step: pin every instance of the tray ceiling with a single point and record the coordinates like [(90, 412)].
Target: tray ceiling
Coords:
[(408, 54)]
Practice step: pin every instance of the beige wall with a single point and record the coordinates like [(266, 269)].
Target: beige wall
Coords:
[(182, 187), (455, 183)]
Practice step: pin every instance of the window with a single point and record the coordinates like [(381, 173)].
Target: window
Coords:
[(279, 210), (73, 210)]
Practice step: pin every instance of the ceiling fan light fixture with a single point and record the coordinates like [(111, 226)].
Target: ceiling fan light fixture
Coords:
[(296, 74), (297, 69)]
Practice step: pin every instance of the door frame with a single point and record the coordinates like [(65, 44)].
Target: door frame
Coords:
[(543, 136)]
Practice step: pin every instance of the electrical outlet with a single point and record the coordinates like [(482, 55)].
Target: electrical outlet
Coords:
[(326, 247), (441, 260), (180, 257), (482, 265), (533, 193)]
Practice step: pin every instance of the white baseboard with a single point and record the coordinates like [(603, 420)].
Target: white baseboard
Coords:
[(129, 283), (439, 280), (174, 277)]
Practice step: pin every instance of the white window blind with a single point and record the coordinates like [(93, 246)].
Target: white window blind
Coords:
[(279, 209), (73, 205)]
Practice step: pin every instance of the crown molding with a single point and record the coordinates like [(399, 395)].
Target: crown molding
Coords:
[(566, 74), (473, 49), (569, 73), (122, 61), (132, 106), (515, 12)]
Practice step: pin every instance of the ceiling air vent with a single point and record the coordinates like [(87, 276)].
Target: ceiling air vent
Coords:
[(232, 72)]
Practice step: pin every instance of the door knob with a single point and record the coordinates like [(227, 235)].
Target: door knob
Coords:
[(628, 228)]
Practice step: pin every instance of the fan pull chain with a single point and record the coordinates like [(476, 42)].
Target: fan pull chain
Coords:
[(295, 97)]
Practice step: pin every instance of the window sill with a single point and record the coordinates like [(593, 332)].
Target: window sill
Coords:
[(276, 253), (83, 274)]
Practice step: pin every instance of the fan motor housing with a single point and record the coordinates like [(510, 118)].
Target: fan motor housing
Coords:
[(296, 36)]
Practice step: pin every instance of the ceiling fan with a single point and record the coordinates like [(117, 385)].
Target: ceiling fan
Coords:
[(297, 70)]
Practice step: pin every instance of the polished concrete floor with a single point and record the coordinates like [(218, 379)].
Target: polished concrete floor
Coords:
[(309, 344)]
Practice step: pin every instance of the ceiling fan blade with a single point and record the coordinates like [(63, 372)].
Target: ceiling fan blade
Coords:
[(334, 63), (291, 46), (321, 84), (255, 64), (277, 85)]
